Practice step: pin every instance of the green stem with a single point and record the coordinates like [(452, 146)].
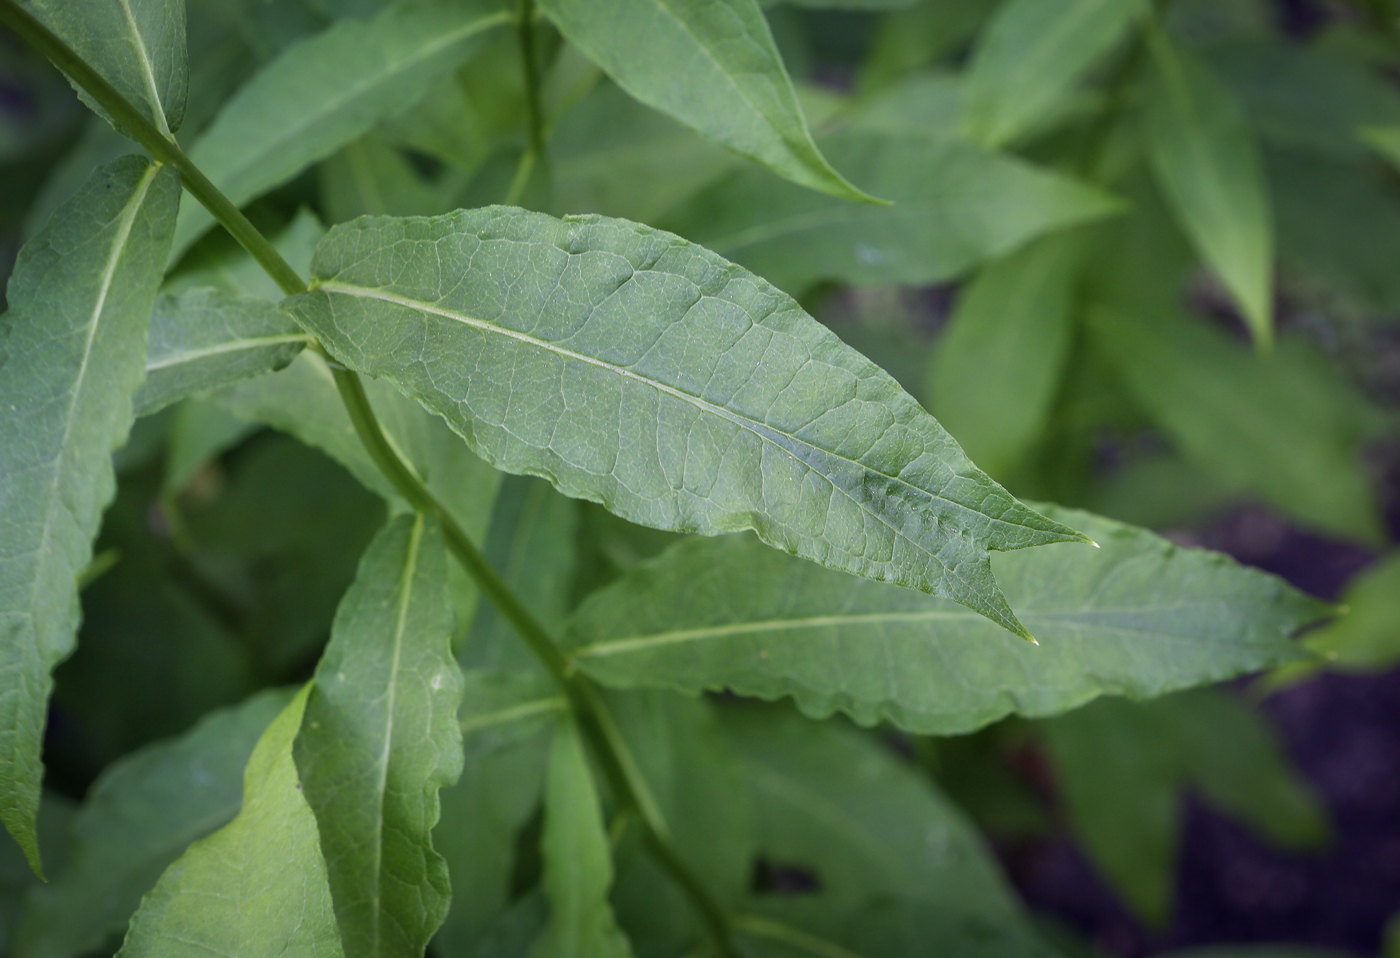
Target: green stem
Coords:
[(583, 697), (525, 30)]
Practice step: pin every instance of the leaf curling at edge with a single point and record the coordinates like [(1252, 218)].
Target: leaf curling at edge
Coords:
[(1140, 617), (644, 360)]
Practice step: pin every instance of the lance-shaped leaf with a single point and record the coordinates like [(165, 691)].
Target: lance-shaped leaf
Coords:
[(203, 339), (955, 206), (346, 79), (1137, 617), (380, 737), (71, 352), (578, 870), (138, 46), (711, 64), (1030, 57), (258, 885), (1208, 165), (635, 369), (139, 817)]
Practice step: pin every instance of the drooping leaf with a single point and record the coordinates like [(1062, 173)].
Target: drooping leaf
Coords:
[(256, 886), (1029, 58), (678, 390), (71, 352), (1209, 169), (505, 719), (380, 737), (205, 338), (999, 363), (578, 871), (1138, 617), (349, 77), (713, 66), (138, 46), (955, 207), (1286, 426), (1121, 767), (138, 818)]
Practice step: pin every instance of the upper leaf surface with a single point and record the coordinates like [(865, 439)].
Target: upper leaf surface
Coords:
[(345, 80), (202, 339), (258, 885), (1208, 165), (1139, 617), (635, 369), (72, 348), (140, 815), (138, 46), (380, 737), (955, 206), (1029, 58), (711, 64)]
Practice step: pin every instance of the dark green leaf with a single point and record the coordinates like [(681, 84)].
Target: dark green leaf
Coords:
[(138, 46), (955, 206), (256, 886), (380, 737), (199, 431), (712, 65), (677, 389), (371, 177), (71, 352), (138, 818), (1139, 616), (346, 79), (1029, 58), (203, 339), (578, 868), (905, 40), (1209, 168)]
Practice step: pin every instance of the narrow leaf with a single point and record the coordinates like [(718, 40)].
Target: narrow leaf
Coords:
[(676, 389), (71, 352), (1138, 617), (711, 64), (578, 868), (380, 737), (1029, 58), (346, 79), (258, 885), (955, 207), (138, 46), (139, 817), (1000, 362), (1209, 168), (203, 339)]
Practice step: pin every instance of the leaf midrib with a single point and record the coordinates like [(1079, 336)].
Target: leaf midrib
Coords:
[(229, 346), (761, 430), (147, 70)]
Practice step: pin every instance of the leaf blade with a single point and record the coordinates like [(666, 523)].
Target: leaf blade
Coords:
[(80, 296), (886, 488)]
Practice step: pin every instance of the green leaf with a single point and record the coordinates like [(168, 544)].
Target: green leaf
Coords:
[(676, 389), (1209, 169), (712, 65), (504, 719), (1385, 140), (138, 818), (222, 264), (380, 737), (199, 431), (1121, 768), (578, 868), (346, 79), (256, 886), (999, 363), (1029, 58), (371, 177), (205, 338), (138, 46), (17, 879), (1366, 638), (905, 40), (955, 206), (1138, 617), (1285, 426), (71, 353)]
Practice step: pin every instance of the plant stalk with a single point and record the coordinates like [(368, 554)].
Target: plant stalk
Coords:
[(584, 699), (534, 111)]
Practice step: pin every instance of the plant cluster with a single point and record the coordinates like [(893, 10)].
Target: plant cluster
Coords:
[(517, 579)]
